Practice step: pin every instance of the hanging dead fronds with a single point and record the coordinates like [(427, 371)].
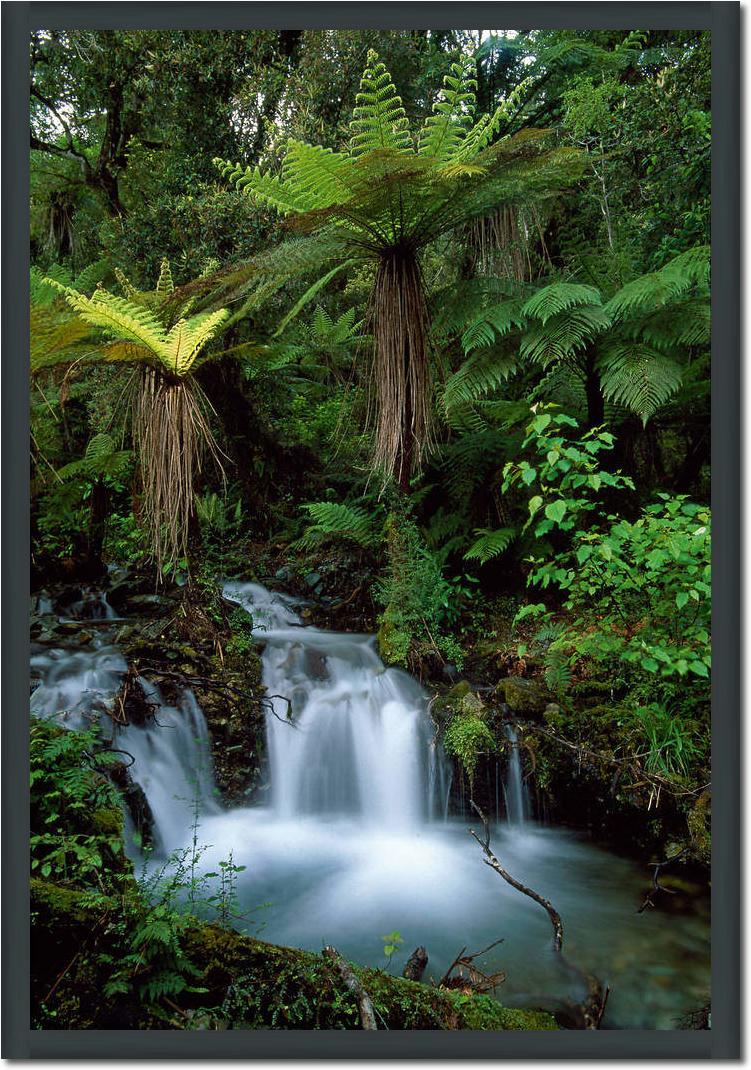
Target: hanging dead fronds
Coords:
[(172, 435), (499, 244), (401, 395)]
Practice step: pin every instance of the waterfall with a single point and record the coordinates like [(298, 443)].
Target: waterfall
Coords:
[(76, 686), (172, 764), (346, 736), (514, 788)]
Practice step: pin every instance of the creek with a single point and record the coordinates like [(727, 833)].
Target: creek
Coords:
[(353, 839)]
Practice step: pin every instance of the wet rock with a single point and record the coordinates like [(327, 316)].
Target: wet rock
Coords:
[(525, 698), (315, 664)]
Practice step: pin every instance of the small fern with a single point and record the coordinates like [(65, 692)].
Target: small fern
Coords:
[(336, 520), (490, 544)]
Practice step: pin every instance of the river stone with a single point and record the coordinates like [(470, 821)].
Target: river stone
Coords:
[(524, 697)]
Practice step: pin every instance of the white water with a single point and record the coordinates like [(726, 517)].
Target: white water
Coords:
[(354, 842)]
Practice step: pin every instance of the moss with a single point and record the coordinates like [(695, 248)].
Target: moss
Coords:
[(459, 699), (393, 642), (107, 821), (467, 737), (527, 698), (245, 983), (699, 820)]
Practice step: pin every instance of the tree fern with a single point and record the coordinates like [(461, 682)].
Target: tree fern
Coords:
[(563, 335), (383, 200), (559, 297)]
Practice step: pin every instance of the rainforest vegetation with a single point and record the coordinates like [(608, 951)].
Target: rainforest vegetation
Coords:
[(413, 328)]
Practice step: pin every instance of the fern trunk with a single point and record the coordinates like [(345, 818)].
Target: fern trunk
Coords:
[(402, 391)]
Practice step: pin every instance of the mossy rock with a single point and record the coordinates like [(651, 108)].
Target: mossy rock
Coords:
[(525, 698), (461, 699), (393, 643)]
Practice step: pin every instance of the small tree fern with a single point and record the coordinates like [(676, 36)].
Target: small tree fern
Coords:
[(169, 411)]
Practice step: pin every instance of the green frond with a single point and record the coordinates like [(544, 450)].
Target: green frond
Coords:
[(379, 120), (492, 323), (637, 376), (57, 336), (270, 191), (490, 544), (319, 177), (118, 317), (482, 372), (102, 458), (658, 288), (88, 279), (558, 297), (682, 323), (444, 131), (487, 126), (125, 284), (563, 335), (187, 338), (310, 293), (165, 286), (336, 520)]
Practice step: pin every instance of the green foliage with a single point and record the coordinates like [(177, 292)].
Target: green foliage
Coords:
[(468, 738), (418, 600), (337, 520)]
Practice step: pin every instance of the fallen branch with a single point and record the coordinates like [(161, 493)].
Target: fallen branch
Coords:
[(492, 861), (587, 1014), (654, 891), (347, 974), (476, 980)]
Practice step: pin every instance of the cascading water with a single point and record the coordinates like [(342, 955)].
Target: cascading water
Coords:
[(355, 840), (345, 735), (514, 789)]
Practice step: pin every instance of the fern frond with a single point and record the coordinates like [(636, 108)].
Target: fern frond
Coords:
[(269, 191), (563, 335), (638, 377), (116, 316), (444, 131), (56, 336), (187, 338), (336, 520), (165, 286), (558, 297), (320, 177), (492, 323), (490, 544), (482, 372), (379, 120)]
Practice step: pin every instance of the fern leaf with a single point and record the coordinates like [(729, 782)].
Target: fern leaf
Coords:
[(116, 316), (482, 372), (338, 520), (492, 323), (558, 297), (379, 120), (490, 544), (563, 335), (444, 131), (165, 286), (638, 377), (267, 190), (187, 338)]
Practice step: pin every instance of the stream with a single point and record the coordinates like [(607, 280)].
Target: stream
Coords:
[(354, 839)]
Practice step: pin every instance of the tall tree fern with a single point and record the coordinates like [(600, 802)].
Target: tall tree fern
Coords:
[(384, 199)]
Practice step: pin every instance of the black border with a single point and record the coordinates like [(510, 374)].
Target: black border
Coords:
[(724, 1040)]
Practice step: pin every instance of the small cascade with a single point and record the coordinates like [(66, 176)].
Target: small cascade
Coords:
[(514, 788), (92, 605), (172, 764), (75, 687), (346, 736)]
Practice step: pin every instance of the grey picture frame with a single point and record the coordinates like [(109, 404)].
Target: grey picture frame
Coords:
[(724, 1039)]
